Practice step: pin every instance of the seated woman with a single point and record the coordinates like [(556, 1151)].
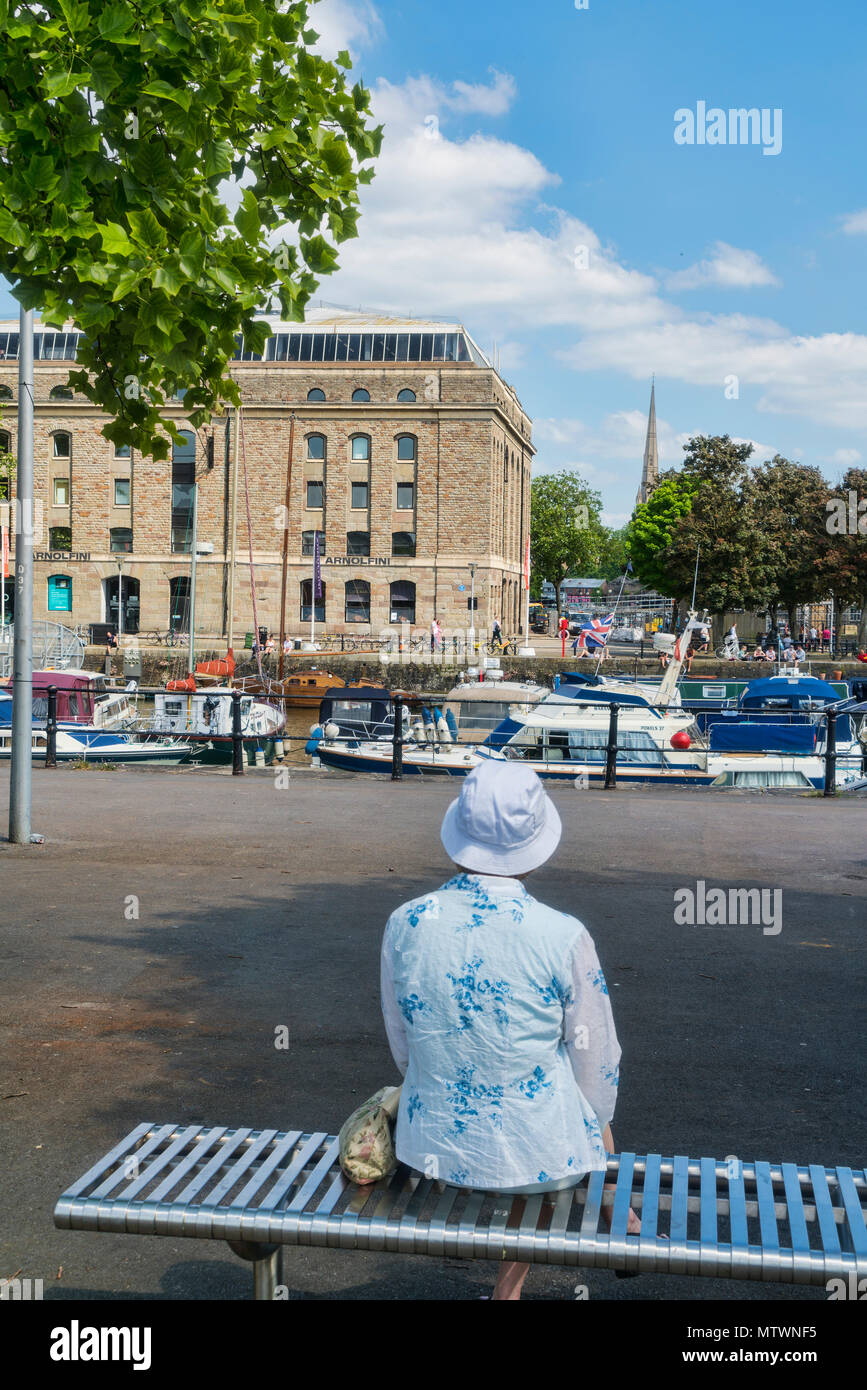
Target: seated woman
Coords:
[(497, 1011)]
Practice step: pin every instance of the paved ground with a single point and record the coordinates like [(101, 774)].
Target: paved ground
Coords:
[(260, 907)]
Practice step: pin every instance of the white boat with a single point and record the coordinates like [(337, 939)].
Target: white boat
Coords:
[(564, 737), (206, 715), (88, 745)]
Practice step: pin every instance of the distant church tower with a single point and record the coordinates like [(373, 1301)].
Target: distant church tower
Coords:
[(650, 469)]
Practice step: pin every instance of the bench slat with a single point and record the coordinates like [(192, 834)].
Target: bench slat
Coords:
[(755, 1221)]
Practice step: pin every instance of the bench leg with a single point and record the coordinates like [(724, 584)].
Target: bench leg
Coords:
[(266, 1266)]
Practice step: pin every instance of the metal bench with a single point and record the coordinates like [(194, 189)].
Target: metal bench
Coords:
[(260, 1190)]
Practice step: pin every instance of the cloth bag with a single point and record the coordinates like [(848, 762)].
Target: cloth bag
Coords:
[(366, 1139)]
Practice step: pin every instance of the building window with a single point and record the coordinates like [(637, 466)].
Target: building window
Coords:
[(121, 538), (60, 538), (121, 492), (406, 394), (5, 392), (360, 448), (183, 484), (316, 394), (357, 607), (315, 496), (316, 446), (361, 394), (403, 543), (405, 497), (360, 495), (60, 393), (406, 448), (358, 542), (62, 443), (402, 601), (306, 599), (59, 593), (61, 492), (307, 541), (179, 603), (121, 451)]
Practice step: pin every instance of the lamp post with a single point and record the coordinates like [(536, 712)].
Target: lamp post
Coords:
[(472, 628), (119, 602)]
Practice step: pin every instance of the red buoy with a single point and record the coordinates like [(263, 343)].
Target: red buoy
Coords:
[(681, 739)]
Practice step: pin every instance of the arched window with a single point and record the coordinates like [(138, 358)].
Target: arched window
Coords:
[(59, 593), (360, 394), (307, 542), (5, 442), (357, 606), (402, 601), (316, 446), (60, 393), (121, 538), (360, 448), (403, 543), (62, 445), (5, 393), (306, 592), (60, 538), (406, 394), (316, 394), (406, 448), (358, 542)]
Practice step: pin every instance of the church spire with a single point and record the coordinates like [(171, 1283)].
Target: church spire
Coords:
[(650, 468)]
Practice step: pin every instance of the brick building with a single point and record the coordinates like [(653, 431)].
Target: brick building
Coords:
[(411, 457)]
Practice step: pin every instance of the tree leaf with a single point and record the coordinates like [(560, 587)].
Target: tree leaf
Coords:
[(115, 240)]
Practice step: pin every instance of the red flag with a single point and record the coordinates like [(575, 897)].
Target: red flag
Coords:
[(5, 552)]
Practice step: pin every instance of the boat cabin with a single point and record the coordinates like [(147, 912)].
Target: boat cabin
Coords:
[(82, 698)]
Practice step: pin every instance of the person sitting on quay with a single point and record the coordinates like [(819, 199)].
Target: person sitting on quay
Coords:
[(508, 1050)]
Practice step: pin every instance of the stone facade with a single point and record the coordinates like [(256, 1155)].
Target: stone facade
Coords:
[(470, 500)]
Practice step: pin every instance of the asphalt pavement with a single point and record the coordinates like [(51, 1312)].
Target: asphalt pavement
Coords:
[(173, 920)]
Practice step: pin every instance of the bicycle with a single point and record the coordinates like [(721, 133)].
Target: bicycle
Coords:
[(506, 646), (172, 638)]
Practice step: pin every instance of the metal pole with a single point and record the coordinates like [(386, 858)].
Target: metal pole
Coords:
[(237, 740), (472, 632), (397, 741), (233, 537), (192, 660), (51, 728), (20, 786), (285, 546), (611, 752), (831, 754), (119, 603)]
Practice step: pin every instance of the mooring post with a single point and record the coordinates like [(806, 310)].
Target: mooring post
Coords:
[(237, 739), (51, 728), (611, 751), (397, 741), (831, 754)]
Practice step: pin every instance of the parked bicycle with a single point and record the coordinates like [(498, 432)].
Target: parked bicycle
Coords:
[(175, 637)]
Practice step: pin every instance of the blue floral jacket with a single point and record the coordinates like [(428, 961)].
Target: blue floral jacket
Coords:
[(497, 1013)]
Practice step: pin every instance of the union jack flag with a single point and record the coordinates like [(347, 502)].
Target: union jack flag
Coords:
[(595, 633)]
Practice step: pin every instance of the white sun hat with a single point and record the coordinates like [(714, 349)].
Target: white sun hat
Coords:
[(502, 822)]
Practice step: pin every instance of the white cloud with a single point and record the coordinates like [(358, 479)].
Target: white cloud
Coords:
[(494, 100), (466, 227), (854, 223), (352, 24), (728, 267), (845, 458)]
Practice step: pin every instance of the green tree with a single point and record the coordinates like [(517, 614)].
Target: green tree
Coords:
[(565, 531), (842, 565), (653, 524), (785, 501), (7, 472), (614, 555), (119, 124)]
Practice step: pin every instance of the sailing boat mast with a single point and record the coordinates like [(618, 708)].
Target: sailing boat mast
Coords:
[(285, 545)]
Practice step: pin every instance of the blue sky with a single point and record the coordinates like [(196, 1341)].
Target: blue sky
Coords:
[(516, 134)]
